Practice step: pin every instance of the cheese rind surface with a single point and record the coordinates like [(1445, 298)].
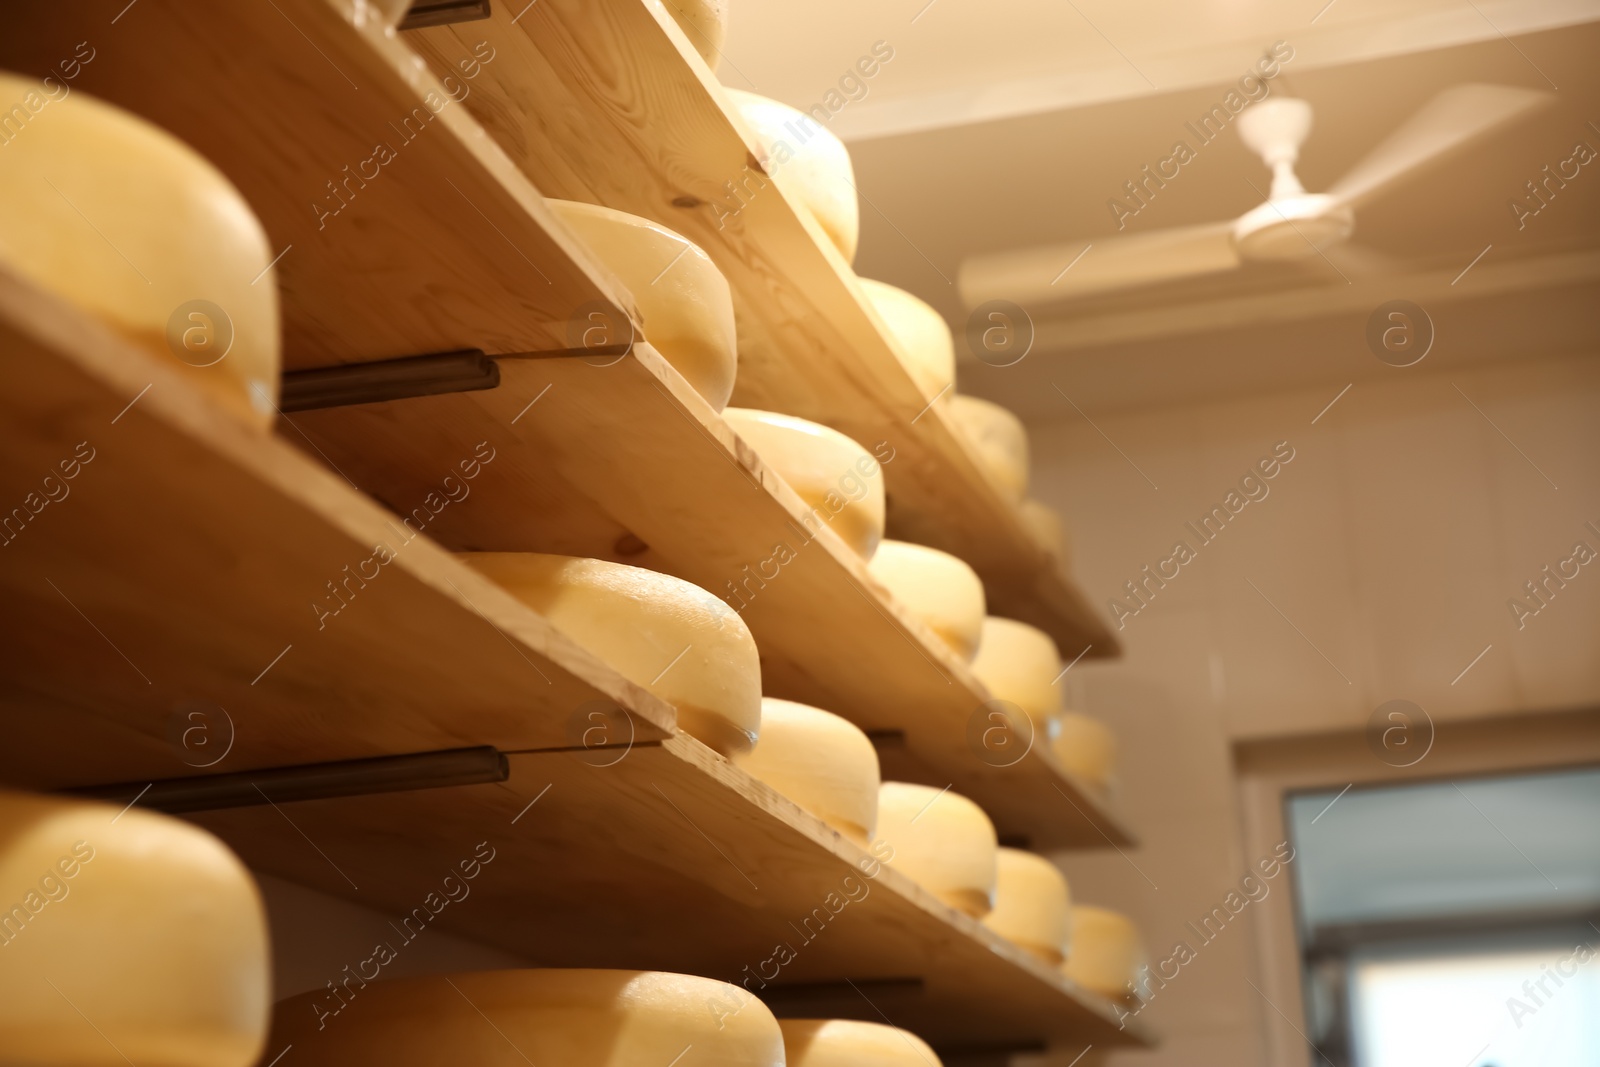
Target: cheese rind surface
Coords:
[(943, 841), (117, 216), (848, 1043), (704, 22), (662, 633), (1086, 747), (1046, 526), (814, 163), (1019, 663), (922, 339), (1032, 905), (937, 588), (683, 299), (561, 1018), (1106, 954), (998, 437), (822, 762), (146, 925)]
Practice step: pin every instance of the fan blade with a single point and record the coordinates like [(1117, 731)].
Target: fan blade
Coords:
[(1449, 122), (1061, 272)]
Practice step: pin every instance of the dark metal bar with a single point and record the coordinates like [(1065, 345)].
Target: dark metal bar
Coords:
[(426, 13), (311, 781), (389, 379)]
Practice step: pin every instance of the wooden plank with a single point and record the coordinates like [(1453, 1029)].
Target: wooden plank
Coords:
[(607, 103), (178, 568), (671, 858)]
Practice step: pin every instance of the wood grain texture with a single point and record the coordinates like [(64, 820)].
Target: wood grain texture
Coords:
[(672, 858), (180, 565), (607, 103)]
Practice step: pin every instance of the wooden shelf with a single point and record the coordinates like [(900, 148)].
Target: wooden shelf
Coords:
[(608, 103), (671, 858), (184, 558), (620, 461)]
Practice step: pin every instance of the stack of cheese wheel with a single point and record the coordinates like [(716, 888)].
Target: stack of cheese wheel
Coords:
[(1032, 907), (1087, 748), (937, 588), (554, 1018), (1106, 954), (683, 300), (127, 937), (815, 165), (821, 762), (943, 841), (662, 633), (1019, 664), (704, 22), (921, 337), (173, 259), (840, 480), (999, 439), (847, 1043)]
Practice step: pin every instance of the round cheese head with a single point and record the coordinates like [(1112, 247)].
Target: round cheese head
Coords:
[(922, 339), (1105, 955), (115, 215), (1046, 526), (553, 1018), (126, 937), (840, 480), (704, 22), (937, 588), (682, 298), (659, 632), (821, 762), (1019, 663), (999, 439), (942, 841), (847, 1043), (813, 161), (1086, 747), (1032, 908)]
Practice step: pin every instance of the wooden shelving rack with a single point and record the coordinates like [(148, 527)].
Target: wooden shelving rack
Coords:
[(184, 565)]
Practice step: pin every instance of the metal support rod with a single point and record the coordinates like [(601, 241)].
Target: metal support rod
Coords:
[(311, 781), (424, 13), (389, 379)]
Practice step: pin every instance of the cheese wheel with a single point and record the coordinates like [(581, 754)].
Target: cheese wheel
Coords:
[(1086, 747), (122, 219), (128, 937), (661, 633), (704, 22), (1106, 955), (1019, 663), (942, 841), (921, 338), (815, 165), (999, 440), (683, 300), (820, 761), (553, 1018), (1032, 907), (841, 481), (1046, 527), (847, 1043), (937, 588)]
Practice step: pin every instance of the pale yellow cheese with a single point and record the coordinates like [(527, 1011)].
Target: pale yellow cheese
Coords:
[(122, 219), (551, 1018), (999, 440), (937, 588), (1046, 527), (704, 22), (1086, 747), (839, 479), (847, 1043), (1019, 664), (1106, 954), (683, 300), (814, 163), (662, 633), (921, 338), (128, 937), (1032, 906), (822, 762), (943, 841)]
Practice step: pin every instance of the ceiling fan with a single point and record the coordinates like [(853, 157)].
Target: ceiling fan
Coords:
[(1291, 224)]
